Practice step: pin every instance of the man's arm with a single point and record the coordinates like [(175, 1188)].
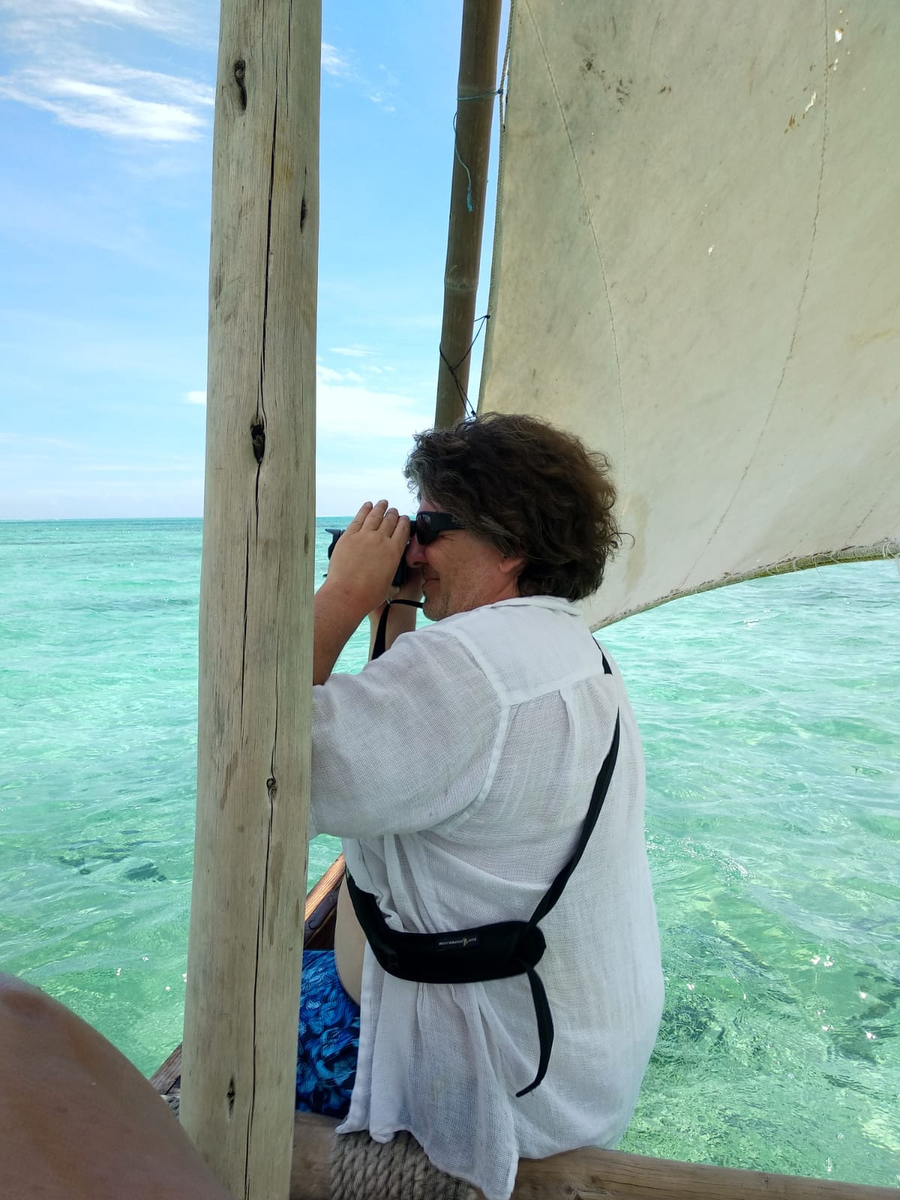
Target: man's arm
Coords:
[(382, 759), (335, 620), (363, 563)]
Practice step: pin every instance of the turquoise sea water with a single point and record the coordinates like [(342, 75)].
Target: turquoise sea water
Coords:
[(771, 720)]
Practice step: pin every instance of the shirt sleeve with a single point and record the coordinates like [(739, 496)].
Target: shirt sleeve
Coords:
[(404, 745)]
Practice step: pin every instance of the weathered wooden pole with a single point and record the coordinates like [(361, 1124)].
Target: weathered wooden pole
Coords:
[(474, 114), (256, 590)]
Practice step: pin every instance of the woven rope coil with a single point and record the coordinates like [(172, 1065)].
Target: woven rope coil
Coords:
[(362, 1169)]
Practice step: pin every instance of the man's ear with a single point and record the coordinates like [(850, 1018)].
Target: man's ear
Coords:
[(511, 567)]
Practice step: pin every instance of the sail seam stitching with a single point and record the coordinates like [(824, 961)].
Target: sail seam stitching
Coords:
[(869, 513)]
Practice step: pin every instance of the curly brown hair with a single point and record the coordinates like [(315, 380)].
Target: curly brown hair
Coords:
[(528, 489)]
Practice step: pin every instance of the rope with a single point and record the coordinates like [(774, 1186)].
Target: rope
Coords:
[(362, 1169), (468, 407)]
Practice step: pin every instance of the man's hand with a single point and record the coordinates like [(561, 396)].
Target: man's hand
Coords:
[(367, 555), (363, 563)]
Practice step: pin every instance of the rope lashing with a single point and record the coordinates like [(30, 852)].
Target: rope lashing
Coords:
[(362, 1169), (467, 404)]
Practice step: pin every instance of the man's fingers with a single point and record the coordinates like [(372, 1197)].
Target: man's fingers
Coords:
[(379, 519), (366, 561), (402, 530), (391, 519), (357, 521), (376, 515)]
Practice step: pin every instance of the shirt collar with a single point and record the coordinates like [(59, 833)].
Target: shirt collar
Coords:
[(553, 602)]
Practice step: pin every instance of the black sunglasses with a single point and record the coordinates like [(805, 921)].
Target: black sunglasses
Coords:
[(426, 527)]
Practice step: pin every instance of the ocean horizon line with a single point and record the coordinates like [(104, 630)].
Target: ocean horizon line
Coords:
[(134, 520)]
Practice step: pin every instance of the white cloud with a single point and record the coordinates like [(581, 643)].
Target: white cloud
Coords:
[(203, 95), (340, 492), (364, 413), (60, 65), (334, 63), (382, 93), (342, 67), (111, 110), (378, 98), (38, 22), (345, 408), (127, 10), (121, 102), (328, 375), (155, 468), (352, 351)]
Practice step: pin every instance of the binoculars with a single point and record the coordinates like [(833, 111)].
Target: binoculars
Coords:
[(402, 573), (425, 525)]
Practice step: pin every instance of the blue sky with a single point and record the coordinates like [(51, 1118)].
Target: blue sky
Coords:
[(106, 111)]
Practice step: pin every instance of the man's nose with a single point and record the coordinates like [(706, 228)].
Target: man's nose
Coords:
[(415, 556)]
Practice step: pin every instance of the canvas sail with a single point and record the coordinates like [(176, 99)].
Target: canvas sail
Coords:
[(696, 269)]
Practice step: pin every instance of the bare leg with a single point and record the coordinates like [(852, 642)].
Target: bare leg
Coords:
[(77, 1120)]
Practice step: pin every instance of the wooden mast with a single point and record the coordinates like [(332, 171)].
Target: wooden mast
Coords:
[(246, 929), (474, 114)]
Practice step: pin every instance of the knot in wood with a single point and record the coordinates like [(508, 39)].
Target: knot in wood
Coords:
[(240, 74), (258, 437)]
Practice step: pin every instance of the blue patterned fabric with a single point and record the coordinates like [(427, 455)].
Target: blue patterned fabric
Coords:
[(327, 1038)]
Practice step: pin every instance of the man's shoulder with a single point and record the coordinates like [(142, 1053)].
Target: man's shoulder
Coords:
[(545, 615), (530, 643)]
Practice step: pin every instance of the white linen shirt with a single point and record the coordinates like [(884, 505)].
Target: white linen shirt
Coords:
[(458, 769)]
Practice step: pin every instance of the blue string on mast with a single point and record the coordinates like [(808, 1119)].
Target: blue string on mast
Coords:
[(481, 96)]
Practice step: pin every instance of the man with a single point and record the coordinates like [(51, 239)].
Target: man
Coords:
[(459, 769)]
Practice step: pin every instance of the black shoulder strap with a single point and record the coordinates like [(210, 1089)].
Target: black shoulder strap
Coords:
[(488, 952), (538, 994), (601, 787), (381, 632)]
